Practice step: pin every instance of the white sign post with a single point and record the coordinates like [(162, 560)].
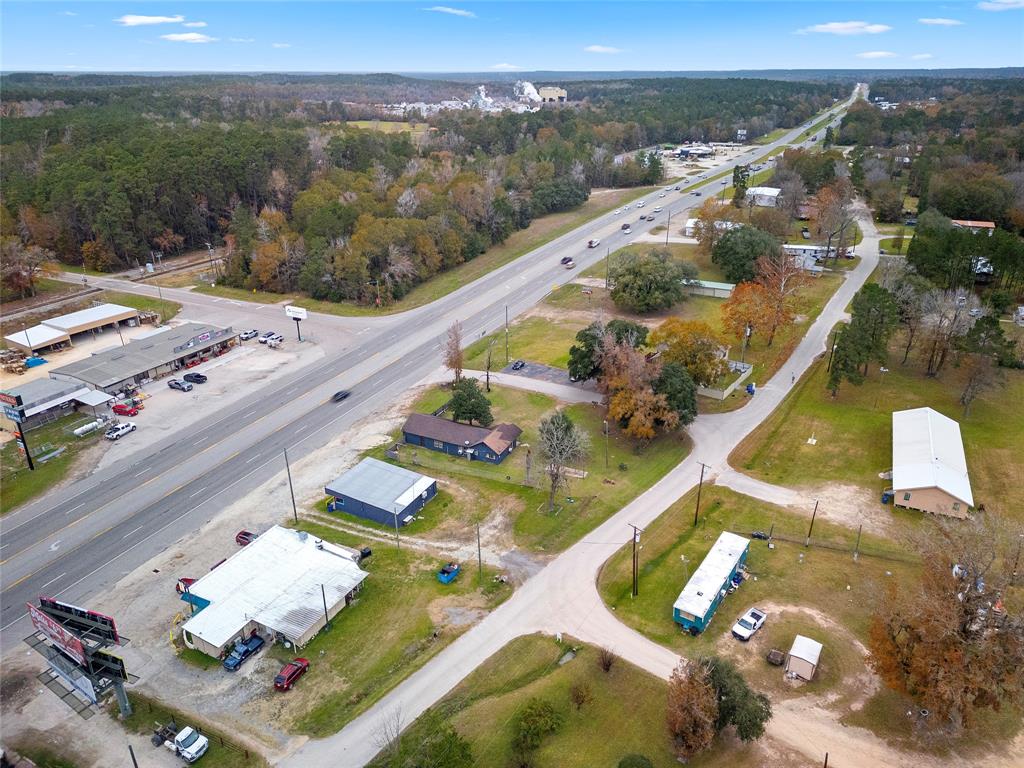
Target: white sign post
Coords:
[(298, 314)]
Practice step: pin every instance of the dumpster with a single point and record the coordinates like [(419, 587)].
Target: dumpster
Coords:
[(448, 573)]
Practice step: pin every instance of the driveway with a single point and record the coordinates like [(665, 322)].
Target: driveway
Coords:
[(566, 392)]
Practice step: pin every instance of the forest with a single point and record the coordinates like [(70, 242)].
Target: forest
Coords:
[(102, 170)]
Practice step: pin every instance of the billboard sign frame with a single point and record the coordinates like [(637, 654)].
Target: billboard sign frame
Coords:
[(56, 633)]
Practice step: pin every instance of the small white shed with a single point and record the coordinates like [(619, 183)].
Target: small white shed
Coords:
[(802, 659)]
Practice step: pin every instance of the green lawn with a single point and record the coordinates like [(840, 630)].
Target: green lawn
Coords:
[(17, 484), (587, 502), (224, 752), (44, 286), (855, 432), (382, 638), (540, 231), (775, 135), (537, 339), (896, 245), (165, 308)]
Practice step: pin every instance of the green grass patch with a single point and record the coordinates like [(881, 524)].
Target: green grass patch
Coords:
[(537, 339), (896, 245), (163, 307), (198, 659), (224, 752), (19, 485), (383, 637), (854, 432), (775, 135)]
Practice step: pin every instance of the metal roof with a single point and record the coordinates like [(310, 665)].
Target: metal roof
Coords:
[(112, 366), (767, 191), (711, 284), (42, 394), (702, 588), (274, 581), (927, 452), (37, 336), (90, 316), (381, 485), (806, 649)]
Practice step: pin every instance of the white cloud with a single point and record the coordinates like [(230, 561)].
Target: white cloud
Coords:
[(921, 56), (452, 11), (602, 49), (845, 28), (940, 22), (131, 20), (505, 67), (241, 39), (195, 24), (1002, 5), (68, 13), (876, 55), (280, 45), (189, 37)]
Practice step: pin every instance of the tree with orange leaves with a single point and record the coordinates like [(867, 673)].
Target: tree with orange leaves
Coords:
[(782, 277), (749, 306)]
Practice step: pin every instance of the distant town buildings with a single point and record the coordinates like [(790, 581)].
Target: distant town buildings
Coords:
[(550, 94)]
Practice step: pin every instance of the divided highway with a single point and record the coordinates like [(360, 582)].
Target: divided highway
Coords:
[(84, 538)]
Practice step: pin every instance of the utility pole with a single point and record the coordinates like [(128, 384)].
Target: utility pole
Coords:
[(810, 528), (856, 547), (398, 542), (291, 490), (606, 444), (746, 336), (209, 251), (700, 485), (607, 257), (479, 558), (506, 337), (1016, 559), (19, 436), (327, 618), (490, 348), (135, 763), (636, 561), (835, 338), (668, 228)]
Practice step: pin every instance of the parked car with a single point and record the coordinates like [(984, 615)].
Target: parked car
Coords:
[(266, 336), (593, 243), (570, 264), (184, 386), (182, 584), (190, 744), (274, 337), (118, 431), (243, 651), (244, 537), (246, 335), (195, 378), (748, 624), (518, 365), (761, 535), (122, 409), (290, 673), (343, 394)]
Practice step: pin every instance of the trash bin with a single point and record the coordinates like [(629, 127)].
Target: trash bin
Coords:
[(886, 497)]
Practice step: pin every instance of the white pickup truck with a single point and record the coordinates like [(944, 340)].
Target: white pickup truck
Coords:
[(748, 624), (190, 744)]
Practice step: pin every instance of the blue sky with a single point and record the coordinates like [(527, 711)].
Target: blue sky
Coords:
[(248, 35)]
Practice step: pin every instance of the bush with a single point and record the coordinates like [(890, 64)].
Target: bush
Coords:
[(535, 721), (635, 761)]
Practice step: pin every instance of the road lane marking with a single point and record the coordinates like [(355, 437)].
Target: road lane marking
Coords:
[(131, 532), (198, 492), (139, 474), (250, 461), (202, 439), (44, 586)]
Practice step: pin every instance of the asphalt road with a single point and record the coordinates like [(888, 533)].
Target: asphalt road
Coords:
[(81, 540)]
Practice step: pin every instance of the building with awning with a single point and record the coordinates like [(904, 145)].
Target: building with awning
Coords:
[(36, 338), (62, 329), (37, 402)]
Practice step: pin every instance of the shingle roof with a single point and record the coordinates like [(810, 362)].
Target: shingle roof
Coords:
[(497, 438), (927, 452), (381, 485)]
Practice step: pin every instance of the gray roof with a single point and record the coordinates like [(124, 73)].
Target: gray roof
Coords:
[(381, 485), (498, 438), (112, 366), (43, 390)]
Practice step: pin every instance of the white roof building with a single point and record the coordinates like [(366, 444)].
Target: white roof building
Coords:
[(803, 657), (929, 469), (273, 585), (764, 196), (703, 589)]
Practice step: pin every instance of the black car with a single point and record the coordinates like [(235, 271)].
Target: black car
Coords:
[(566, 259), (195, 378), (518, 364), (759, 535), (337, 397), (242, 651)]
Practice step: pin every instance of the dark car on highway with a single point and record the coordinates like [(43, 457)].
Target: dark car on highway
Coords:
[(243, 651), (195, 378), (565, 260), (337, 397), (289, 673)]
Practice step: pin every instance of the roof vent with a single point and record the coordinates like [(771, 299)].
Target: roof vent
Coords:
[(700, 594)]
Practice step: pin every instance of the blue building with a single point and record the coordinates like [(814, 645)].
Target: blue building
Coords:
[(490, 444), (709, 584), (381, 492)]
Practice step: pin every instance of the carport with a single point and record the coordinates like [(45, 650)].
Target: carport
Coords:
[(92, 319), (36, 338)]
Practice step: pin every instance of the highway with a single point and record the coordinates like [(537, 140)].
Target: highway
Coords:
[(81, 540)]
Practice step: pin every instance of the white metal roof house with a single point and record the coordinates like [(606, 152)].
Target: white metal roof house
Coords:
[(929, 470), (802, 659), (704, 591), (278, 586), (767, 197)]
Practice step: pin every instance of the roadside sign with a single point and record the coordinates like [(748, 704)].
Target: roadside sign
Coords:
[(80, 620), (296, 313), (13, 414), (57, 634), (9, 399)]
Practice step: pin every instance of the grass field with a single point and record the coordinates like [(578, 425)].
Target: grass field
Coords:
[(17, 484), (775, 135), (393, 628), (855, 432), (166, 309), (224, 752), (889, 244), (389, 126), (540, 231), (586, 503)]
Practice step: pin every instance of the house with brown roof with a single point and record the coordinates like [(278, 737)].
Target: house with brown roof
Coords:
[(975, 226), (491, 444)]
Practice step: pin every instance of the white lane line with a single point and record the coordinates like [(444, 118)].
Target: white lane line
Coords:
[(250, 413), (140, 474), (133, 531), (202, 439), (303, 428), (291, 390), (69, 511), (198, 492), (44, 586), (250, 461)]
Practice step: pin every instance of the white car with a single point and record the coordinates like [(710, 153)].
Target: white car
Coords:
[(118, 431), (266, 337), (657, 209), (641, 204), (190, 744), (748, 624), (662, 194), (593, 243), (616, 212)]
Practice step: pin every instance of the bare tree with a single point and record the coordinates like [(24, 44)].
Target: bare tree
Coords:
[(580, 694), (909, 289), (782, 277), (407, 203), (947, 317), (562, 443), (605, 659), (982, 374), (454, 358), (389, 736), (490, 351)]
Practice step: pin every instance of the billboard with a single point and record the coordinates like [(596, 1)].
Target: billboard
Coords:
[(74, 676), (53, 630), (9, 399), (80, 620), (296, 313)]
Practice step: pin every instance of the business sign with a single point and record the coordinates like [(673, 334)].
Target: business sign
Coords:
[(13, 414), (62, 638), (296, 313), (9, 399), (80, 620), (204, 338)]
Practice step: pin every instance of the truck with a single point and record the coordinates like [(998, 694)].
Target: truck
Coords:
[(187, 743)]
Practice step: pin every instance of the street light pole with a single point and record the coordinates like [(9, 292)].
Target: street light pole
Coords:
[(636, 561), (668, 228), (700, 486)]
